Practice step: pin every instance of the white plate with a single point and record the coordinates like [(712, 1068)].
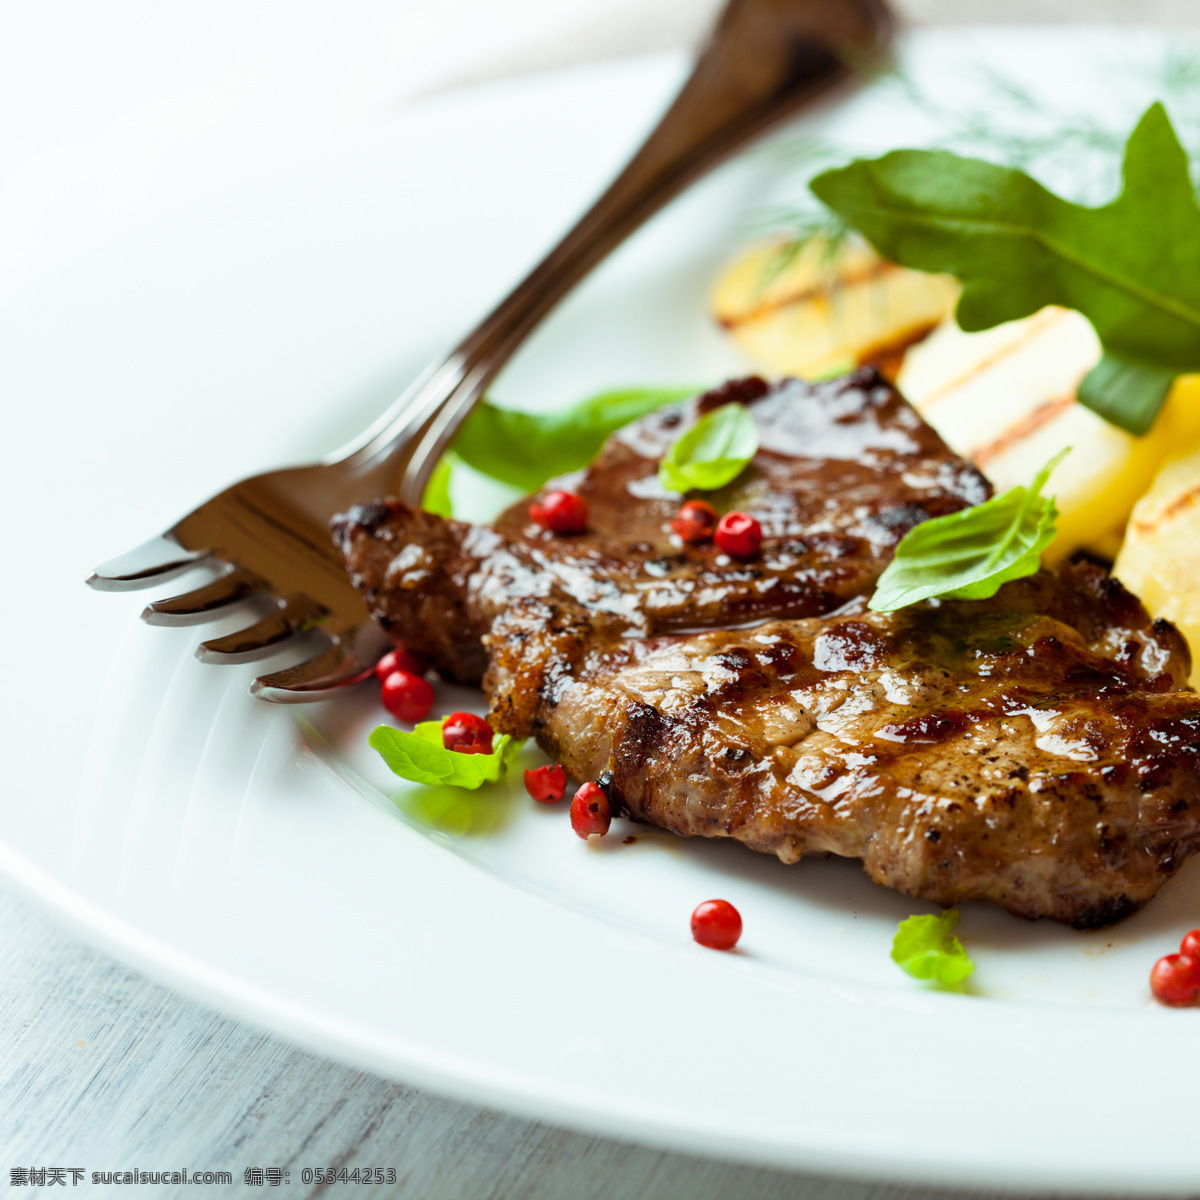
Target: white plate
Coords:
[(475, 945)]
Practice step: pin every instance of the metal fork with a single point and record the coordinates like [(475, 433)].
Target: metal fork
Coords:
[(268, 536)]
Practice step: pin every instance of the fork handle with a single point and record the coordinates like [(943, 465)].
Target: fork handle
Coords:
[(763, 60)]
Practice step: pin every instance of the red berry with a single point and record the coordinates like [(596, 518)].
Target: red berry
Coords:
[(696, 521), (717, 925), (465, 733), (1175, 979), (1191, 944), (400, 659), (590, 811), (546, 784), (738, 535), (561, 512), (407, 697)]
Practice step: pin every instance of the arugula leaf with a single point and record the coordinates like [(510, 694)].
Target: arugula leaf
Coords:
[(970, 554), (1125, 393), (1129, 266), (526, 449), (713, 452), (420, 756), (925, 948)]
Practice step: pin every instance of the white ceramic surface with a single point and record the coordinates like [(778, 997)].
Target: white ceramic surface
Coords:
[(263, 859)]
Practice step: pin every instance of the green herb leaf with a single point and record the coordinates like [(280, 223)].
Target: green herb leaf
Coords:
[(970, 554), (1126, 393), (437, 491), (1129, 266), (925, 948), (713, 452), (526, 449), (421, 757)]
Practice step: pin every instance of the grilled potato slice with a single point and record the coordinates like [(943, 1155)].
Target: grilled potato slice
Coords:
[(828, 307), (1005, 398), (1160, 559)]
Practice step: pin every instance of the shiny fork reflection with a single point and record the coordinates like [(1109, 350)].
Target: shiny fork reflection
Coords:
[(268, 538)]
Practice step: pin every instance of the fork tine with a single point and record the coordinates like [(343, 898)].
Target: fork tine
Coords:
[(331, 669), (154, 561), (351, 658), (205, 603), (263, 637)]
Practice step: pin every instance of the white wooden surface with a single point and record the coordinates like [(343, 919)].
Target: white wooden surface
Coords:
[(104, 1070)]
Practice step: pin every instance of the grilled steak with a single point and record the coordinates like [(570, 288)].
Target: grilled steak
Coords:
[(1032, 750), (845, 469), (1036, 750)]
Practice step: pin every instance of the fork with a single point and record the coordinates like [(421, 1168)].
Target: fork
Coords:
[(267, 537)]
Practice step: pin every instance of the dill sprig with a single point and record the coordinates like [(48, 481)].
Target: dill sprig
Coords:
[(1077, 151)]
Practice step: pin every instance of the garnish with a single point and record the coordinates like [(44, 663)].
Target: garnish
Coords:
[(695, 522), (467, 733), (400, 659), (925, 948), (1001, 119), (406, 696), (739, 535), (716, 924), (526, 449), (970, 554), (713, 452), (560, 512), (437, 491), (546, 784), (591, 811), (420, 756), (1016, 247), (1175, 978)]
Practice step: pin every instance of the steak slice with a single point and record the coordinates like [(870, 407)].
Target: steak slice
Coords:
[(845, 468), (1034, 750), (1037, 750)]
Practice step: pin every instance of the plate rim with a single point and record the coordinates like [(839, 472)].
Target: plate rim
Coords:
[(339, 1039)]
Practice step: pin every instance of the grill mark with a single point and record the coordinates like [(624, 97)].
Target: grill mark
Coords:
[(1181, 502), (1038, 324), (865, 274), (1030, 423), (639, 742)]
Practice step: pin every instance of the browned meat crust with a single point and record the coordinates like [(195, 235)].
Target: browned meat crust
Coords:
[(1027, 750), (846, 468), (1037, 750)]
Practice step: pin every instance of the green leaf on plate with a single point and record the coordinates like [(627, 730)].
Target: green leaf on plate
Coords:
[(971, 554), (526, 449), (1130, 266), (437, 491), (713, 452), (420, 756), (925, 948)]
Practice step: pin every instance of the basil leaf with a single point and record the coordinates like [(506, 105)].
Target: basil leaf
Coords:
[(971, 554), (526, 449), (924, 948), (1129, 266), (420, 756), (713, 452)]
